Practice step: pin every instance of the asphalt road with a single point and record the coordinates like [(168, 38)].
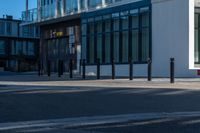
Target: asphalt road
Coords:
[(28, 103)]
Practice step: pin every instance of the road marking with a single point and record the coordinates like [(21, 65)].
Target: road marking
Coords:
[(93, 120)]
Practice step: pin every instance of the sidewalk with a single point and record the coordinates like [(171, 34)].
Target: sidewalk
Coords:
[(32, 79)]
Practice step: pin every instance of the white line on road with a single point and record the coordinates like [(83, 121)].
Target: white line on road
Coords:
[(94, 120)]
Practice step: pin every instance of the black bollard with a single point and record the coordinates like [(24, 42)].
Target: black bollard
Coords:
[(19, 66), (172, 70), (71, 68), (80, 64), (59, 68), (83, 64), (130, 69), (113, 69), (39, 68), (149, 69), (98, 69), (48, 68)]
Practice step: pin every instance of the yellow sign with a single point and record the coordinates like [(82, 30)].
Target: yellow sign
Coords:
[(58, 34)]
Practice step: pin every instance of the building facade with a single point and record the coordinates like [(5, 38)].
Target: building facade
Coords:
[(18, 49), (121, 30)]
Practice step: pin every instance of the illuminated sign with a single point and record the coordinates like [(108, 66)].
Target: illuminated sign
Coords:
[(56, 34)]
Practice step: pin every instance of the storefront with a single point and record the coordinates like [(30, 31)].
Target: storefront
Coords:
[(60, 42)]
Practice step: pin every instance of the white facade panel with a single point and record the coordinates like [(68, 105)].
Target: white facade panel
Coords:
[(139, 70), (172, 36)]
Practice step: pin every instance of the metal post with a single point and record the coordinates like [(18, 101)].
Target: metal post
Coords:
[(149, 69), (83, 75), (18, 65), (80, 64), (130, 69), (113, 69), (98, 69), (71, 68), (172, 70), (49, 68), (39, 68), (59, 68)]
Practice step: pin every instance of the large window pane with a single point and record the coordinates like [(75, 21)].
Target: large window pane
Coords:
[(197, 39), (116, 46), (124, 22), (196, 53), (135, 38), (125, 46), (107, 26), (116, 24), (13, 47), (24, 47), (31, 49), (99, 27), (107, 48), (91, 28), (94, 3), (71, 6), (2, 28), (84, 29), (145, 44), (135, 21), (2, 47), (91, 49), (145, 19), (99, 47)]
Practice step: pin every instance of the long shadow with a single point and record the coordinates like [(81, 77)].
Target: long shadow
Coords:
[(27, 103)]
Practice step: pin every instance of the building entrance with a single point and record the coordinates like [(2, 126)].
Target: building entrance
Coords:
[(60, 49)]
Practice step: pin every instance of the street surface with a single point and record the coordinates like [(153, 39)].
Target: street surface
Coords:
[(38, 105)]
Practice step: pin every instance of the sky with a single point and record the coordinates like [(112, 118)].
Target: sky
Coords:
[(15, 7)]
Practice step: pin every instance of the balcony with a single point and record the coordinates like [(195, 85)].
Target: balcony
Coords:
[(62, 8)]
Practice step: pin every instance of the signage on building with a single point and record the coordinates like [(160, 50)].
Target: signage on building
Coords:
[(59, 34), (56, 34)]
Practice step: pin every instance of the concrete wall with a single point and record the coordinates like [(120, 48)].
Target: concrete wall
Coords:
[(172, 34)]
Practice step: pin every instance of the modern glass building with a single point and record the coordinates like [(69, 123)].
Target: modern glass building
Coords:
[(18, 46), (120, 30)]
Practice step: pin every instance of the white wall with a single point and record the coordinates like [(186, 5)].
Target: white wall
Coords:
[(139, 70), (172, 33)]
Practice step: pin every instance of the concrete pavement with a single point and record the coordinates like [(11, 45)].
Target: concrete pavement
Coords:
[(35, 105)]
